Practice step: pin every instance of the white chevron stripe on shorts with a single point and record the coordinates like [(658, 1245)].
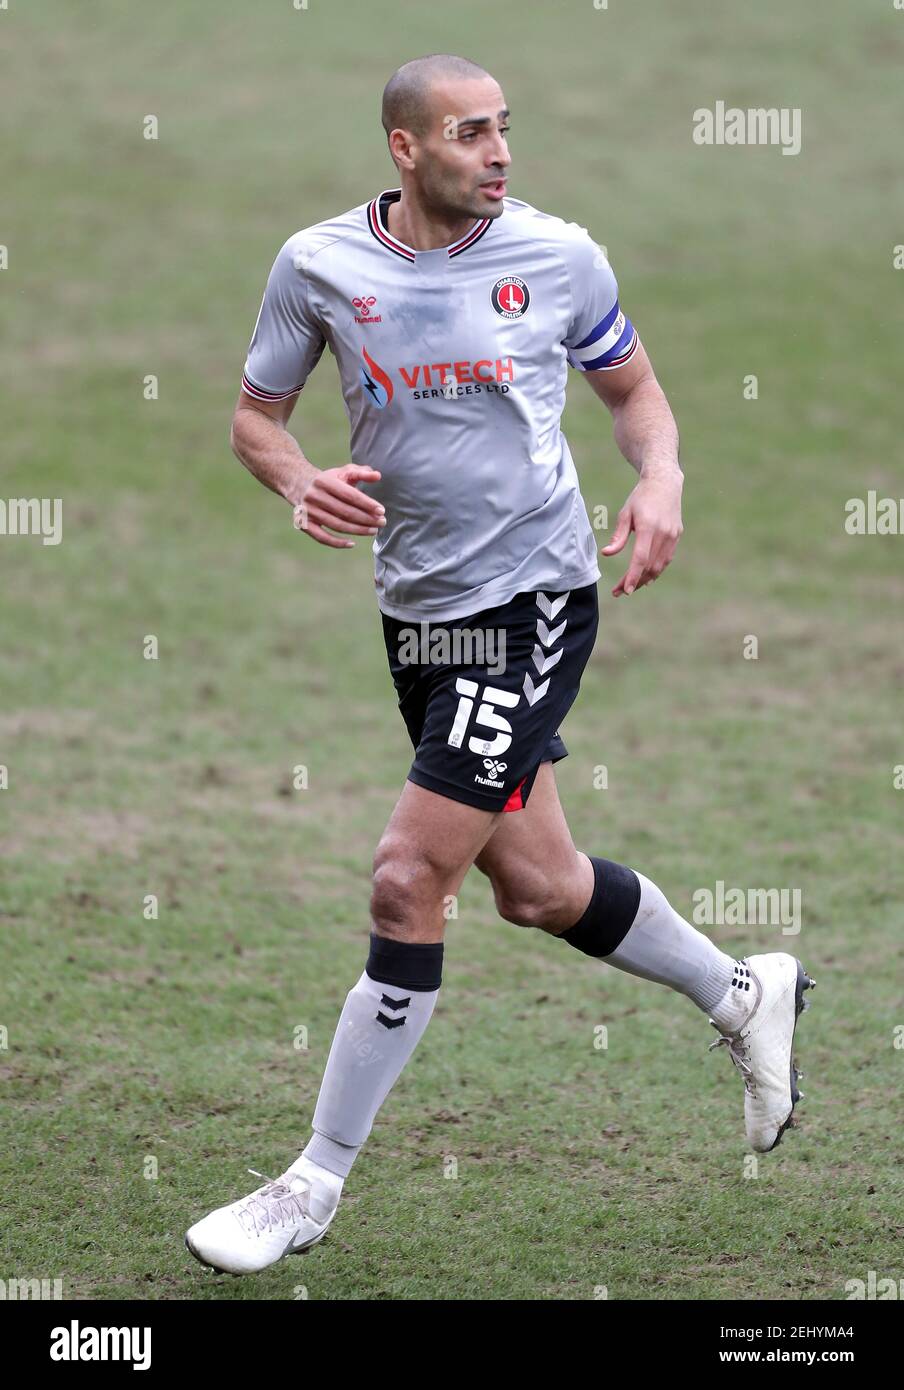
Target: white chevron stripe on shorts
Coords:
[(552, 606), (534, 693), (545, 661), (547, 637)]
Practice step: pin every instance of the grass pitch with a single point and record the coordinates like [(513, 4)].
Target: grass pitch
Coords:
[(148, 1062)]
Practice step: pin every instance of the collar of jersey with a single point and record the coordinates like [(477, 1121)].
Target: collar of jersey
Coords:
[(398, 248)]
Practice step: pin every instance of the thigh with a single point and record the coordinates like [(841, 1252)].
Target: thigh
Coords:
[(536, 843), (436, 836)]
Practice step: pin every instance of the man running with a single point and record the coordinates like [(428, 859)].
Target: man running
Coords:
[(454, 312)]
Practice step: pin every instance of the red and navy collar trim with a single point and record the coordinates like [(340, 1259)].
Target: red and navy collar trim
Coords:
[(398, 248)]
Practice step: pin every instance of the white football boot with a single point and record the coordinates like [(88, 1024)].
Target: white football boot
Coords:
[(761, 1046), (286, 1216)]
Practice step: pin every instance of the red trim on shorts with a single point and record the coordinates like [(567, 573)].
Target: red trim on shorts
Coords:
[(516, 800)]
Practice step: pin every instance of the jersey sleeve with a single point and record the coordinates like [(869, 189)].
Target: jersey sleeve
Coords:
[(600, 336), (287, 341)]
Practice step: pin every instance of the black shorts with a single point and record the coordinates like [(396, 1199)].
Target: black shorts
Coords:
[(483, 696)]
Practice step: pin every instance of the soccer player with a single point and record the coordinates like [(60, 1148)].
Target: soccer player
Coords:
[(454, 312)]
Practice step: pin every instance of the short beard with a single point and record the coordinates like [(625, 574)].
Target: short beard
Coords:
[(441, 203)]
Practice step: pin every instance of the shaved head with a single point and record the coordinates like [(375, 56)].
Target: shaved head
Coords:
[(446, 124), (407, 95)]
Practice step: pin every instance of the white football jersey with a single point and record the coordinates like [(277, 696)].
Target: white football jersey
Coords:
[(453, 365)]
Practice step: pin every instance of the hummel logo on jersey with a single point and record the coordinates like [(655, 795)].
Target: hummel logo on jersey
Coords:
[(510, 297), (364, 304)]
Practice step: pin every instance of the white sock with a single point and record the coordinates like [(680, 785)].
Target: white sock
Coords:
[(326, 1187), (661, 946), (733, 1009), (378, 1030)]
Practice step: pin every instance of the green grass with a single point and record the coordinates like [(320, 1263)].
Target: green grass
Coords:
[(130, 1038)]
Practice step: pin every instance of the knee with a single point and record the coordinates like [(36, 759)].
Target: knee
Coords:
[(403, 888)]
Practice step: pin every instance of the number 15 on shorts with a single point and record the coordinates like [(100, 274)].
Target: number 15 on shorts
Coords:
[(486, 718)]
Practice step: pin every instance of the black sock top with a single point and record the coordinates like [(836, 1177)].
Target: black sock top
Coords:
[(611, 911), (416, 965)]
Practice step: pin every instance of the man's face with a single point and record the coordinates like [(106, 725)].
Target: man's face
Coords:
[(461, 163)]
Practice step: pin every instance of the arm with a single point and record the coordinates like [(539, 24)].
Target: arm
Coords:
[(319, 497), (646, 433), (286, 346)]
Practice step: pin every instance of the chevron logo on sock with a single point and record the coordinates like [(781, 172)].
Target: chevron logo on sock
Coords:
[(390, 1003)]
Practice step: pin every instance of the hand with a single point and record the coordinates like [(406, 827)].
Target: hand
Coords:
[(332, 499), (653, 513)]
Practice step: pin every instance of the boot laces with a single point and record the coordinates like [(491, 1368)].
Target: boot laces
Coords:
[(275, 1205), (739, 1054)]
